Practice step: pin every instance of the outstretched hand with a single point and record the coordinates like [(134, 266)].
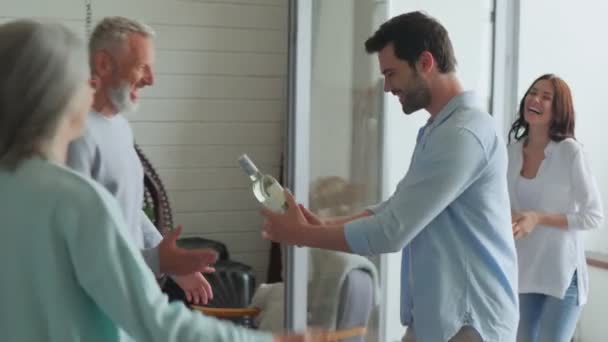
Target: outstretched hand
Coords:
[(180, 261)]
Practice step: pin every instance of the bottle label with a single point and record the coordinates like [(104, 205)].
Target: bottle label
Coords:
[(275, 200)]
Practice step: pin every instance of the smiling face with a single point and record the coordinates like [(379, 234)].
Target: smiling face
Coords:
[(403, 81), (547, 108), (538, 104), (123, 73)]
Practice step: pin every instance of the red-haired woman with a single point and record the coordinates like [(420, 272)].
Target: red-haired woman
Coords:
[(553, 198)]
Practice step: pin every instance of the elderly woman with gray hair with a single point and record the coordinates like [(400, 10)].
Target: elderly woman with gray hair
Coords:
[(68, 272)]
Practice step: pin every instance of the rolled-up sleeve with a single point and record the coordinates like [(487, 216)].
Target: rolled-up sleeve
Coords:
[(376, 208), (446, 167)]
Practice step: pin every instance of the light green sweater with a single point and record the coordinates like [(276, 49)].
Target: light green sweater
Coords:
[(69, 273)]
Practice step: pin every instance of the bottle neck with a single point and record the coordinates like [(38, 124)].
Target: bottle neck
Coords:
[(255, 176)]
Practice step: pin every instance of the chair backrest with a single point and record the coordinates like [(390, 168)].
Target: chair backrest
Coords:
[(195, 242), (156, 200), (356, 302), (342, 290), (233, 284), (352, 305)]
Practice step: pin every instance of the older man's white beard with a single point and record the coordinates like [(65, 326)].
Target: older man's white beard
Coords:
[(121, 98)]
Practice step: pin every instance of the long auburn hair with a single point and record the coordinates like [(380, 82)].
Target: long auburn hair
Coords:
[(562, 124)]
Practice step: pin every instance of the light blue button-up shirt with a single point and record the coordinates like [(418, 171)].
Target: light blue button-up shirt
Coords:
[(451, 216)]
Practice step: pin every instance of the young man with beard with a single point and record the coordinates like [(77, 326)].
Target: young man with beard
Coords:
[(121, 56), (450, 214)]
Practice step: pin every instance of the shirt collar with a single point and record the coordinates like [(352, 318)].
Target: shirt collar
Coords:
[(464, 99), (548, 149)]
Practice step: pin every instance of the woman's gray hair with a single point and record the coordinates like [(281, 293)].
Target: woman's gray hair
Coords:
[(42, 65), (111, 33)]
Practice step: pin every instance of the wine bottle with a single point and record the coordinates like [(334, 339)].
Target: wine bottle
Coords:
[(266, 189)]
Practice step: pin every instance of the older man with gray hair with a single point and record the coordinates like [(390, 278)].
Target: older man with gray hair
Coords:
[(121, 62)]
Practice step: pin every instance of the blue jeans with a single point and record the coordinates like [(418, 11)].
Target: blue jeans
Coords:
[(544, 318)]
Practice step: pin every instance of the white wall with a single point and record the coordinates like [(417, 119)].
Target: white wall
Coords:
[(468, 25), (592, 325), (220, 91), (568, 39)]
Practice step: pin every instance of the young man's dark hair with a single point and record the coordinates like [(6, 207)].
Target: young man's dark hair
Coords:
[(411, 34)]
